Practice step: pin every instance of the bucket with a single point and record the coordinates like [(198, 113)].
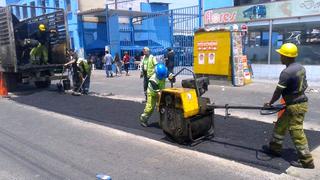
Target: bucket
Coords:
[(66, 84)]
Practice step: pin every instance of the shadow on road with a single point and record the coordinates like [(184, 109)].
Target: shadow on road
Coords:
[(235, 139)]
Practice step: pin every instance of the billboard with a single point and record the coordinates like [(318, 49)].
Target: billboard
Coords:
[(281, 9)]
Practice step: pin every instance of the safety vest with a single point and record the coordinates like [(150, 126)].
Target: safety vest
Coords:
[(148, 65), (84, 66), (155, 85)]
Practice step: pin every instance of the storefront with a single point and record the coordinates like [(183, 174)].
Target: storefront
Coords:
[(270, 25)]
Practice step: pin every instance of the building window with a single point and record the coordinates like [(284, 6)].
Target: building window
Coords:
[(257, 44), (306, 35), (33, 9), (18, 12), (43, 5), (56, 4), (25, 11), (68, 3)]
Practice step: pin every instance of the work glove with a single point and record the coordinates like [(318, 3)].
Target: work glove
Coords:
[(267, 105), (172, 78)]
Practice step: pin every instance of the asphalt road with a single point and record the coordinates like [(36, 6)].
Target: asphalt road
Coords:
[(40, 144), (46, 135)]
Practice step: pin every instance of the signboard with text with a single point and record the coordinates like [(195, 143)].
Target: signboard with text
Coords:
[(274, 10)]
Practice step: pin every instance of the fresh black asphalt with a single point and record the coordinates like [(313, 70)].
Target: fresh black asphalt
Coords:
[(235, 139)]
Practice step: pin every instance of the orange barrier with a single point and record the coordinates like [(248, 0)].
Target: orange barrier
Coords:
[(3, 87)]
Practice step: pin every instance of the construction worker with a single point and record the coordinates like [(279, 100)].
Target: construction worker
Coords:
[(39, 54), (155, 85), (148, 64), (85, 69), (292, 85), (76, 74)]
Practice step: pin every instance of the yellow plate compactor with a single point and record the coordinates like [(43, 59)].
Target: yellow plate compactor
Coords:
[(186, 117)]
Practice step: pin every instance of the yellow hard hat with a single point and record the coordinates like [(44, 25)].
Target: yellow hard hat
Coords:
[(42, 27), (289, 50)]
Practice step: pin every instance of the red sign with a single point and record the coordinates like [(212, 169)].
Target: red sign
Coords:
[(211, 18), (208, 45)]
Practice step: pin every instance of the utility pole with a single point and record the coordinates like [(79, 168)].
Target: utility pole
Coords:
[(200, 12), (115, 4)]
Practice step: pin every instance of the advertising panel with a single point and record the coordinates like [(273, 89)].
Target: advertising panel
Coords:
[(283, 9)]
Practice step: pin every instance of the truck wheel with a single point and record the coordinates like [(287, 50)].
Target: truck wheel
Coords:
[(11, 80), (42, 84)]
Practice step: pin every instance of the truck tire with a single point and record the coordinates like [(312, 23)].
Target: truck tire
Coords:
[(11, 81), (42, 84)]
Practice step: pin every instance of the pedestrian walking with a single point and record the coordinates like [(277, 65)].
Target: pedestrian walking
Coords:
[(118, 64), (108, 64), (169, 60), (155, 84), (126, 62), (148, 64), (292, 85)]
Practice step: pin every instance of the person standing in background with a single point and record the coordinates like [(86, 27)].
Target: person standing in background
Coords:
[(118, 64), (169, 60), (126, 62), (108, 64)]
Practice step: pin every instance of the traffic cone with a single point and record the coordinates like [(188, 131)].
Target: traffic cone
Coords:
[(3, 87)]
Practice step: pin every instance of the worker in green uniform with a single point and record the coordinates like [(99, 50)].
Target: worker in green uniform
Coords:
[(39, 54), (292, 85), (85, 67), (148, 64), (155, 84)]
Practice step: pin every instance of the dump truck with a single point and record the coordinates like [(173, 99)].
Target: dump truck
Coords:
[(16, 42)]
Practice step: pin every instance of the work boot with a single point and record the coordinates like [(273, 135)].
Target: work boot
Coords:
[(266, 149), (298, 164), (144, 121)]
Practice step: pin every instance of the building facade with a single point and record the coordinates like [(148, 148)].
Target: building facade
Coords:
[(269, 25)]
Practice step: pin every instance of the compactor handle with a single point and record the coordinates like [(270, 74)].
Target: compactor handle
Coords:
[(194, 77), (264, 110)]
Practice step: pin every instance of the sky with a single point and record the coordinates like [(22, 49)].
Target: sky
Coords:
[(178, 3), (2, 2)]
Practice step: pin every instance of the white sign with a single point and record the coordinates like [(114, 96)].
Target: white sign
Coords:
[(211, 58), (201, 58)]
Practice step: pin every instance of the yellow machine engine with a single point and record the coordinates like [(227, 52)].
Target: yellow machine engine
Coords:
[(183, 113)]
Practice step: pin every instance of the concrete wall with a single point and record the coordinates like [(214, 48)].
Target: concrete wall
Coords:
[(272, 72), (86, 5)]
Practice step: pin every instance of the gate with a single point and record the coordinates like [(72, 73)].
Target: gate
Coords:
[(161, 30), (184, 22), (131, 30)]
